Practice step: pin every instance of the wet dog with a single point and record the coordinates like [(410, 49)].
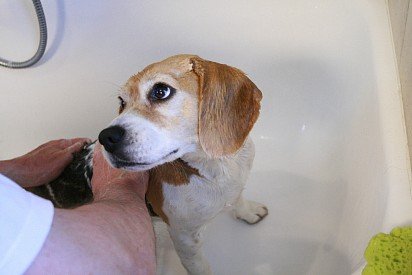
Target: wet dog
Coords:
[(187, 121)]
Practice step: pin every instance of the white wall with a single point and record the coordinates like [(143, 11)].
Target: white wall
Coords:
[(94, 46)]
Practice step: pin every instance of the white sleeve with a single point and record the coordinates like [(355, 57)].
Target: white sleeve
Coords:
[(25, 222)]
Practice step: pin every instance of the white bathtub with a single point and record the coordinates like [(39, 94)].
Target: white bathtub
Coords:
[(331, 163)]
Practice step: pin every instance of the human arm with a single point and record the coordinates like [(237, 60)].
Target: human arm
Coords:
[(112, 235)]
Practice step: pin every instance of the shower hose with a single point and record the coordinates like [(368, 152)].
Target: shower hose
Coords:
[(42, 44)]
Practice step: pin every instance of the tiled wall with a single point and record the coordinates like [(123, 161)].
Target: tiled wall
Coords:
[(401, 20)]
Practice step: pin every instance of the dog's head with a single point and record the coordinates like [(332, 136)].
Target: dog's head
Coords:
[(180, 105)]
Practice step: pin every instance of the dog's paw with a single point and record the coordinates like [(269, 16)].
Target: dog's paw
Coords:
[(251, 212)]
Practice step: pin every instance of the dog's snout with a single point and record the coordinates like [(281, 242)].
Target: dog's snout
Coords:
[(111, 138)]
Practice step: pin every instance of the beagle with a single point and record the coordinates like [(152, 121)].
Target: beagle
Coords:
[(186, 120)]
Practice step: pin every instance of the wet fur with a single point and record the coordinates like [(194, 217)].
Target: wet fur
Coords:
[(209, 121), (73, 187)]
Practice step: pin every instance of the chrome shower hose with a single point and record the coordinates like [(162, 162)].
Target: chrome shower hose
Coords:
[(42, 44)]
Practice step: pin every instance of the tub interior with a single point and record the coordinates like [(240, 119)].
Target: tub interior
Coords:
[(326, 156)]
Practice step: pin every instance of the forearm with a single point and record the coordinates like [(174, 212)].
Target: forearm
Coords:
[(13, 170), (101, 238)]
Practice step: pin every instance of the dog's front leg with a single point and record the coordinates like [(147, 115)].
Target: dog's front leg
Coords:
[(188, 243), (249, 211)]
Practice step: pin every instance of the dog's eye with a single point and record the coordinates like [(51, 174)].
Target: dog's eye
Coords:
[(122, 104), (161, 91)]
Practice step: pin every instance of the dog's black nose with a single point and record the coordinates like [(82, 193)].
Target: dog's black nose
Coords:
[(111, 138)]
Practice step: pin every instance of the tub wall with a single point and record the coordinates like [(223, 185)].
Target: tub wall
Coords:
[(401, 20)]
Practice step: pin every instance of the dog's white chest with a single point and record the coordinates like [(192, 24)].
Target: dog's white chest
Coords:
[(199, 200), (220, 184)]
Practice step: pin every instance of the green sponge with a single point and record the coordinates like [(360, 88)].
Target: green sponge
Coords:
[(390, 254)]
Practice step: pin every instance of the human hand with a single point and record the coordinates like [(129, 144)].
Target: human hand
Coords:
[(109, 183), (117, 220), (43, 164)]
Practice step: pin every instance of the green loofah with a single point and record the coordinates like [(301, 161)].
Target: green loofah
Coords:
[(390, 254)]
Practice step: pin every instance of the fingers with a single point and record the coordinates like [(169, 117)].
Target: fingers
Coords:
[(72, 146), (141, 180), (62, 143), (70, 142), (75, 147), (116, 184), (62, 158), (98, 154), (99, 161)]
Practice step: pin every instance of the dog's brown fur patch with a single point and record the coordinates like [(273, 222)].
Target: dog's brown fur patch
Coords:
[(175, 173)]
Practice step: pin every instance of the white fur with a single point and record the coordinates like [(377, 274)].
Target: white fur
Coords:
[(190, 207), (52, 195), (148, 142)]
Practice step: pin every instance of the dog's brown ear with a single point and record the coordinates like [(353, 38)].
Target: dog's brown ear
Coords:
[(229, 104)]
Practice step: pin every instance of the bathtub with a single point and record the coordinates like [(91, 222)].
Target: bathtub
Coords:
[(331, 152)]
